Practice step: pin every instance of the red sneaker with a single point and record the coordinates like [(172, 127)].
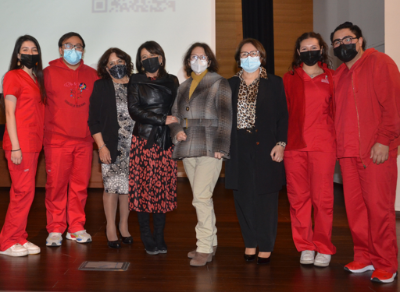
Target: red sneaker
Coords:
[(356, 267), (382, 276)]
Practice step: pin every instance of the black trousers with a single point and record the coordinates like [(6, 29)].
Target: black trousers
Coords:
[(257, 213)]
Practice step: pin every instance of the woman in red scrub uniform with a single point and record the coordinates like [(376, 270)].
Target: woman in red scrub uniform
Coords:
[(310, 152), (23, 89)]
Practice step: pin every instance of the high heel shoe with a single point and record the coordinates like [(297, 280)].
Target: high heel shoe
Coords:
[(262, 261), (126, 240), (249, 257), (113, 244)]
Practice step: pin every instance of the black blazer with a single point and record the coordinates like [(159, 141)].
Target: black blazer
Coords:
[(271, 127), (103, 115), (149, 103)]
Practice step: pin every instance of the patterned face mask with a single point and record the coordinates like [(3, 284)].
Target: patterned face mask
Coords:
[(118, 71)]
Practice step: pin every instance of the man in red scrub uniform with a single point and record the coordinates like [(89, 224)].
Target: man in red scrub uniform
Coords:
[(68, 144), (367, 123)]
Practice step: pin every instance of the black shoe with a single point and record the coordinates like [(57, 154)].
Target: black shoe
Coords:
[(113, 244), (145, 233), (126, 240), (249, 257), (159, 224), (262, 261)]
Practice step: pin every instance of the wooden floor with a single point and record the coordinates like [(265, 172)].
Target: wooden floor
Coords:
[(56, 269)]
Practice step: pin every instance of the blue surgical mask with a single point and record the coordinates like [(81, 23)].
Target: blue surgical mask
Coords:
[(250, 64), (72, 56)]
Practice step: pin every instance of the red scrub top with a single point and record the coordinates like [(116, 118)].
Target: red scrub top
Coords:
[(319, 130), (346, 124), (29, 111)]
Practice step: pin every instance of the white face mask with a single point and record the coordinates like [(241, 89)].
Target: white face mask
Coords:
[(198, 66)]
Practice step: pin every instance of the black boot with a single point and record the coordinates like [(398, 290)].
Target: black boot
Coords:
[(145, 233), (159, 224)]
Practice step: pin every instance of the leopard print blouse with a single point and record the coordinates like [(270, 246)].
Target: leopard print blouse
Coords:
[(247, 99)]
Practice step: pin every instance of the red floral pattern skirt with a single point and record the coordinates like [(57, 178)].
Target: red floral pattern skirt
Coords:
[(152, 178)]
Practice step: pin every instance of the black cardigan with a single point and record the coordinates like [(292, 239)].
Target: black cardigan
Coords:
[(271, 127), (103, 115)]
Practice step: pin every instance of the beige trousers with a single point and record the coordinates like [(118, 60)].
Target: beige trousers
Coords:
[(203, 173)]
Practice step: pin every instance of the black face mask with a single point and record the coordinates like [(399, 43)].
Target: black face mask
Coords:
[(118, 71), (345, 53), (29, 61), (151, 65), (310, 58)]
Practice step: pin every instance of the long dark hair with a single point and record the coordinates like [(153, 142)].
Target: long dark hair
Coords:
[(37, 70), (102, 64), (154, 48), (209, 53), (308, 35)]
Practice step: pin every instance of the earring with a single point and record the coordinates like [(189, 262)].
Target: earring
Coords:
[(19, 63)]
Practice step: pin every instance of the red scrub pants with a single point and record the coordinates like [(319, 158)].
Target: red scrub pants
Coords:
[(68, 173), (370, 195), (22, 193), (309, 178)]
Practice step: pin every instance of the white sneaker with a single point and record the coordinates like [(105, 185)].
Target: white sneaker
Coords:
[(54, 239), (16, 250), (307, 257), (80, 236), (32, 248), (322, 260)]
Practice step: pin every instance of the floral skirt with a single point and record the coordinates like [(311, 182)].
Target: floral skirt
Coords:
[(152, 178)]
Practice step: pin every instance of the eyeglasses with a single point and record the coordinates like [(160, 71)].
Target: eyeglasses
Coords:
[(201, 58), (69, 46), (251, 54), (346, 41)]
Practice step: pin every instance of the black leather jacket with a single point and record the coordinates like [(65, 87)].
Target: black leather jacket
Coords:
[(149, 104)]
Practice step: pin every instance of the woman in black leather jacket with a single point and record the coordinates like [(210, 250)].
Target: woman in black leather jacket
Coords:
[(152, 179)]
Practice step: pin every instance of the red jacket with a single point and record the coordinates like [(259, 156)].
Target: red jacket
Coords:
[(294, 89), (376, 93), (68, 92)]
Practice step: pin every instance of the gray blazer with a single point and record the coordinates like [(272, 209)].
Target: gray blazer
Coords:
[(206, 118)]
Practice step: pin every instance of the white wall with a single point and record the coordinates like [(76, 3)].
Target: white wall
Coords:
[(392, 45), (107, 23)]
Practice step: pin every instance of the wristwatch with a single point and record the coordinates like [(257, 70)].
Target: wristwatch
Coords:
[(283, 144)]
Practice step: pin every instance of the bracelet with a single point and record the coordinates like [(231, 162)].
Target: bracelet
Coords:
[(102, 146), (16, 150), (283, 144)]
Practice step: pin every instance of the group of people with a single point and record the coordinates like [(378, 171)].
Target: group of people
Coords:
[(269, 130)]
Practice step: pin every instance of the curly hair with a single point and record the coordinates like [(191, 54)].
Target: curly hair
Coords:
[(102, 64)]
